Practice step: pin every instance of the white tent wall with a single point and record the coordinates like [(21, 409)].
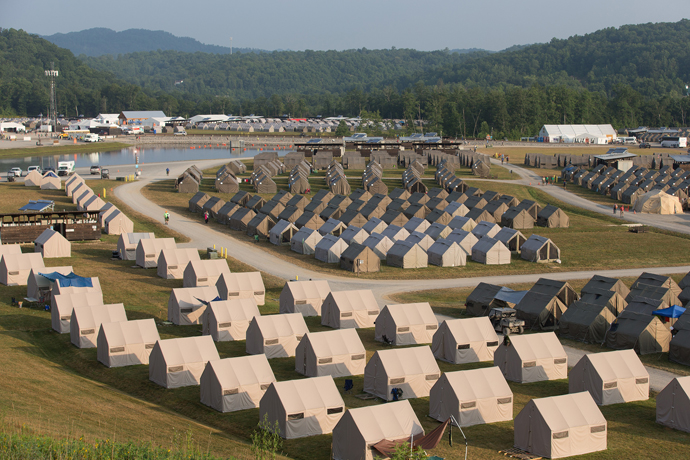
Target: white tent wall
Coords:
[(247, 285), (172, 262), (39, 287), (228, 320), (148, 251), (673, 404), (127, 244), (233, 384), (467, 340), (61, 312), (349, 309), (406, 324), (338, 353), (304, 297), (126, 343), (175, 363), (206, 272), (276, 336), (184, 306), (532, 358), (86, 322), (57, 290), (414, 370), (51, 244), (15, 268), (118, 223)]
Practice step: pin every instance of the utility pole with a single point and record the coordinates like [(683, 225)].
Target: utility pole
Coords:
[(230, 46), (52, 73)]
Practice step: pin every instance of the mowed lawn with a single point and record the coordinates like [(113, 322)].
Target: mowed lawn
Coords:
[(52, 387), (593, 241)]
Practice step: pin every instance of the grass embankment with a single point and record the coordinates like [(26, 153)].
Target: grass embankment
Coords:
[(61, 149), (593, 241), (50, 387)]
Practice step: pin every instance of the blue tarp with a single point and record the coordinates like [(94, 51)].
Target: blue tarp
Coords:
[(38, 205), (70, 280), (510, 296), (206, 302), (674, 311)]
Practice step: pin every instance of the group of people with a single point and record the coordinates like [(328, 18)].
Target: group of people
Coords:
[(619, 208)]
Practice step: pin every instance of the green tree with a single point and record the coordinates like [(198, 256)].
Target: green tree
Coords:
[(371, 123), (342, 129), (266, 439)]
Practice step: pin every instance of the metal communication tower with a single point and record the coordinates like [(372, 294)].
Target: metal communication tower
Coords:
[(52, 73)]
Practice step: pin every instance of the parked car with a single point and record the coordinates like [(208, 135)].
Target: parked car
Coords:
[(15, 172), (95, 169), (180, 133), (34, 168), (645, 145), (49, 168)]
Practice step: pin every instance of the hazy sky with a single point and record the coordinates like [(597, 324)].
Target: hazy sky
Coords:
[(324, 24)]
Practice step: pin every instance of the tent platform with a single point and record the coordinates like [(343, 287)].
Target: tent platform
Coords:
[(514, 452)]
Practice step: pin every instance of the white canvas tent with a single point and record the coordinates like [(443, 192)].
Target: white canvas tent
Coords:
[(405, 254), (172, 262), (305, 241), (128, 242), (118, 223), (179, 362), (466, 240), (39, 287), (673, 404), (148, 250), (406, 324), (472, 397), (611, 377), (330, 248), (52, 244), (361, 428), (233, 384), (561, 426), (304, 297), (307, 407), (187, 305), (413, 370), (15, 268), (490, 251), (532, 358), (467, 340), (86, 322), (227, 320), (446, 253), (276, 336), (380, 244), (64, 304), (127, 343), (206, 272), (338, 353), (244, 285), (349, 309), (59, 289)]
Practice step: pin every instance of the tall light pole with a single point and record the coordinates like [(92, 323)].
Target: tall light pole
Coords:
[(52, 73), (230, 46)]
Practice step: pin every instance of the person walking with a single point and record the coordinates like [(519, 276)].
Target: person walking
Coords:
[(167, 171), (206, 217), (166, 216), (615, 208), (621, 212)]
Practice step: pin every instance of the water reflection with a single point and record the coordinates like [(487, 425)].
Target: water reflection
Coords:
[(129, 155)]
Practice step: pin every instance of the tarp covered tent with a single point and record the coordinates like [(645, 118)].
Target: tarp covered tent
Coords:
[(406, 254), (413, 370), (260, 225), (358, 258), (225, 213), (118, 223), (586, 322), (61, 312), (186, 305), (406, 324), (354, 234), (338, 353), (598, 282), (490, 251), (149, 250), (329, 249), (611, 377), (206, 272), (417, 224), (128, 242), (304, 297), (673, 405), (228, 320), (395, 233), (127, 343), (540, 249), (485, 229), (552, 217), (561, 426), (650, 279), (50, 181), (561, 289), (179, 362), (517, 218), (610, 299), (245, 285), (658, 202), (446, 253), (282, 232), (641, 332), (466, 240), (472, 397), (359, 429), (301, 408), (305, 241), (463, 223), (233, 384), (52, 244), (539, 310), (39, 287), (15, 268), (380, 244), (172, 262), (679, 348), (240, 219), (276, 336), (479, 302), (333, 227), (76, 284), (467, 340), (532, 358), (87, 319), (375, 225), (349, 309)]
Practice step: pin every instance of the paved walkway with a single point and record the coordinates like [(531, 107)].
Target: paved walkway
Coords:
[(202, 236)]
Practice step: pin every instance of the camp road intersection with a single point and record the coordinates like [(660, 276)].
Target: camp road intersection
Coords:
[(202, 237)]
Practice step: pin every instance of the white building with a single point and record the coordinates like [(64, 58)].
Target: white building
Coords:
[(581, 134)]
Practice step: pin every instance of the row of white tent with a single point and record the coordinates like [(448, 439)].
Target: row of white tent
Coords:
[(18, 269), (47, 181), (111, 220), (417, 244)]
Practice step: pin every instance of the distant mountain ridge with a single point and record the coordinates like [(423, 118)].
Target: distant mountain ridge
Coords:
[(100, 41)]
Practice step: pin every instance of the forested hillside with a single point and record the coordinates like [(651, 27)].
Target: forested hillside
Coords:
[(99, 41)]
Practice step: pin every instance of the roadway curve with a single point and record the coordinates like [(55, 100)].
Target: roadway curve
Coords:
[(202, 236)]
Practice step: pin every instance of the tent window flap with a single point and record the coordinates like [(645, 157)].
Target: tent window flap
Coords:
[(397, 381), (264, 386), (87, 331), (271, 342), (465, 346), (468, 405), (224, 324), (175, 368), (346, 314), (560, 435), (232, 391), (609, 385), (335, 410), (432, 377), (529, 364), (325, 360), (597, 429), (642, 380), (373, 312), (149, 346), (507, 400), (560, 360), (117, 349), (356, 357), (403, 329), (492, 344), (299, 416)]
